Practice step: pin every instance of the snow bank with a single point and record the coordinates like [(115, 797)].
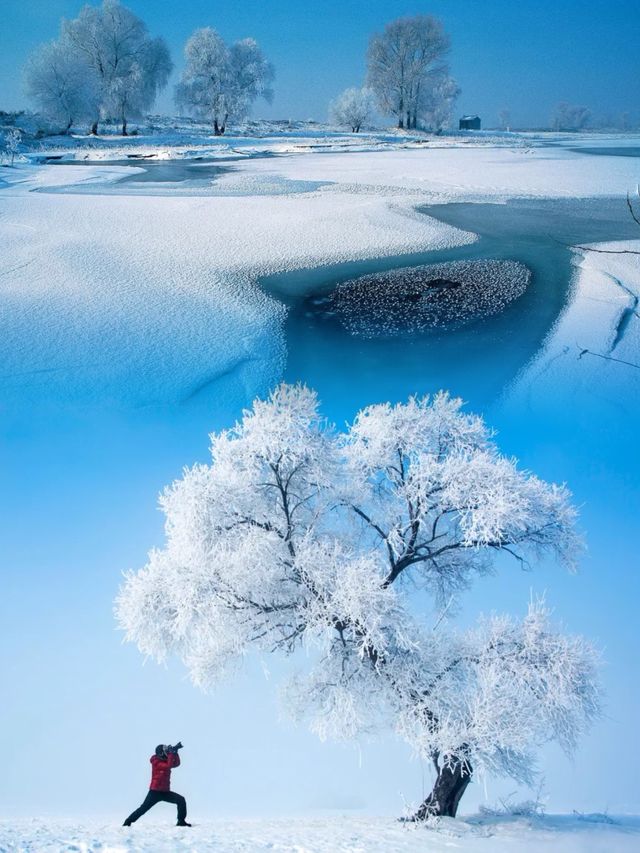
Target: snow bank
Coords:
[(327, 835), (593, 353), (148, 301), (453, 173), (178, 139)]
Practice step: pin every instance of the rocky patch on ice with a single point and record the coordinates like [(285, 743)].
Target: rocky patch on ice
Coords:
[(417, 299)]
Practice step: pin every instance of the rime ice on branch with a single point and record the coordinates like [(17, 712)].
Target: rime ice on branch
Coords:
[(296, 534)]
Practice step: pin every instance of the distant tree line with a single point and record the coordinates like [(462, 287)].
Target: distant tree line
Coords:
[(106, 67)]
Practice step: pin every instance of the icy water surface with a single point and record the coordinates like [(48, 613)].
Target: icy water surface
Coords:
[(616, 151), (190, 177), (476, 362)]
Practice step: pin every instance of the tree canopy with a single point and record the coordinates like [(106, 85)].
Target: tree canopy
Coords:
[(299, 535)]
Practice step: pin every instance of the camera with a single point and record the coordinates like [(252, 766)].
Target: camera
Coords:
[(175, 748)]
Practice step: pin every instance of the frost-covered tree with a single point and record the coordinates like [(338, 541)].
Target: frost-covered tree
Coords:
[(129, 67), (252, 75), (567, 116), (219, 82), (436, 103), (131, 94), (10, 144), (403, 62), (353, 108), (62, 84), (298, 535)]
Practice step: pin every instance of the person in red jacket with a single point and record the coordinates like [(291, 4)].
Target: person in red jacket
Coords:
[(162, 763)]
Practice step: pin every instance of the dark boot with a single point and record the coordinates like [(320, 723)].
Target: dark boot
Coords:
[(182, 823)]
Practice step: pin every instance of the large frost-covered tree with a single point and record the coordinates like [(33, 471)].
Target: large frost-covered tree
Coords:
[(62, 84), (219, 82), (404, 62), (298, 535), (129, 66), (353, 108)]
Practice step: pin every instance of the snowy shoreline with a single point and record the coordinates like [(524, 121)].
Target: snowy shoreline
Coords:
[(478, 834), (592, 351)]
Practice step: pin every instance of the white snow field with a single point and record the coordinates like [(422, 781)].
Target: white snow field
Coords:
[(593, 353), (589, 834), (471, 173)]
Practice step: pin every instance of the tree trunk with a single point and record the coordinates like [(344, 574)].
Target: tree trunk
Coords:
[(218, 129), (400, 123), (124, 126), (94, 129), (447, 792)]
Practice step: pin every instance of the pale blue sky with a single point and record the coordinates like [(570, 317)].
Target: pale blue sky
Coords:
[(523, 56)]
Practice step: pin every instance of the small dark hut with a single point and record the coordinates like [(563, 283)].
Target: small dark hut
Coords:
[(470, 123)]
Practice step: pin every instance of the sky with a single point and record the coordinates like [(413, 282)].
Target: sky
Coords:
[(522, 56)]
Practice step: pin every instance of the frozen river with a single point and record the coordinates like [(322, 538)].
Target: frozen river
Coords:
[(476, 362)]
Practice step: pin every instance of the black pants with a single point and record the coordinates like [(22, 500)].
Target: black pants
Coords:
[(154, 797)]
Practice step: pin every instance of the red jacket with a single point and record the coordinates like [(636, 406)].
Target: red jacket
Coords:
[(161, 771)]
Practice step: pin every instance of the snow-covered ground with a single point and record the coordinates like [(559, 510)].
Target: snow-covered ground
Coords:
[(552, 834), (464, 172), (594, 349), (161, 138)]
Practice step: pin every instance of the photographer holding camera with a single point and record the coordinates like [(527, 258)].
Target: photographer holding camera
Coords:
[(162, 763)]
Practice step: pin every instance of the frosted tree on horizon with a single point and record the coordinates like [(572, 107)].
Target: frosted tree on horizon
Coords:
[(219, 82), (10, 145), (62, 84), (437, 100), (350, 545), (353, 108), (566, 116), (405, 64), (128, 67)]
